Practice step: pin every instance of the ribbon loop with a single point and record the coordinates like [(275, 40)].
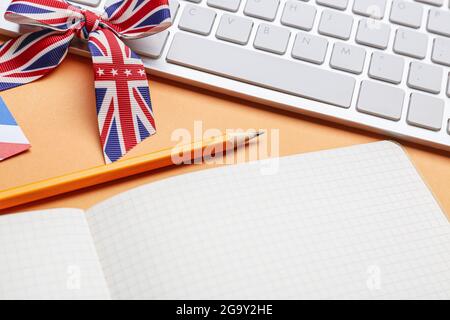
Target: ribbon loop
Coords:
[(49, 14), (124, 110)]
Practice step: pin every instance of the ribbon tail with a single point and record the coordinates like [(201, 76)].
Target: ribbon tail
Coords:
[(124, 110), (32, 56)]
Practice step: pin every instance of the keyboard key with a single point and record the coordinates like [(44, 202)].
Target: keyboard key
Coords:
[(272, 38), (234, 29), (348, 58), (438, 3), (373, 33), (426, 111), (337, 4), (411, 43), (370, 8), (197, 19), (386, 67), (425, 77), (151, 46), (439, 22), (91, 3), (448, 86), (263, 9), (174, 6), (230, 5), (406, 13), (264, 70), (380, 100), (336, 24), (310, 48), (441, 51), (298, 15)]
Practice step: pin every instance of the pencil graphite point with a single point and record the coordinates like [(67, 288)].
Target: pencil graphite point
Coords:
[(242, 138)]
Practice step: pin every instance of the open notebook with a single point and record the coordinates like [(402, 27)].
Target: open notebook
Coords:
[(355, 222)]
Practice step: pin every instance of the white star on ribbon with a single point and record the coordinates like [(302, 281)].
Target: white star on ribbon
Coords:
[(141, 72), (128, 72), (100, 72), (114, 72)]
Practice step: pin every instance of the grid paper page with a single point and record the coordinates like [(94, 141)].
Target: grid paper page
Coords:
[(49, 255), (355, 222)]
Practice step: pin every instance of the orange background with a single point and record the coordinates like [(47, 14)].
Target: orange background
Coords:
[(58, 115)]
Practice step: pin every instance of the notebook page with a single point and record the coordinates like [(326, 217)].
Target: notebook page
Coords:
[(49, 255), (356, 222)]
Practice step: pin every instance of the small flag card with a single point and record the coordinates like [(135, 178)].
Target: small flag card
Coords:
[(12, 138)]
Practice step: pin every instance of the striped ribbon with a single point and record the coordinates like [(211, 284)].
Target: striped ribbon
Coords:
[(124, 110)]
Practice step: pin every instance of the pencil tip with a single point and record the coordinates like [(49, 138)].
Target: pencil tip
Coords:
[(242, 138), (255, 134), (259, 133)]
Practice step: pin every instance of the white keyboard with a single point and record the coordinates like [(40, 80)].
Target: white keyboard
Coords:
[(382, 65)]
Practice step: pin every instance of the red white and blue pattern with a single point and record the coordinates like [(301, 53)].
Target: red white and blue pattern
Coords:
[(123, 100), (12, 139), (116, 115)]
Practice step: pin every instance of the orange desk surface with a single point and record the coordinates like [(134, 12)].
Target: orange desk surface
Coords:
[(58, 115)]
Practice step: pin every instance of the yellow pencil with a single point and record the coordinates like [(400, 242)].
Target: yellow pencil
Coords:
[(78, 180)]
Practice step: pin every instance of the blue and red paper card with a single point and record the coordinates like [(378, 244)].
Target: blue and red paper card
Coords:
[(12, 138)]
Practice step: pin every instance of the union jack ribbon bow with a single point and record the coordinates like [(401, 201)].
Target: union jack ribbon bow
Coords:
[(124, 110)]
